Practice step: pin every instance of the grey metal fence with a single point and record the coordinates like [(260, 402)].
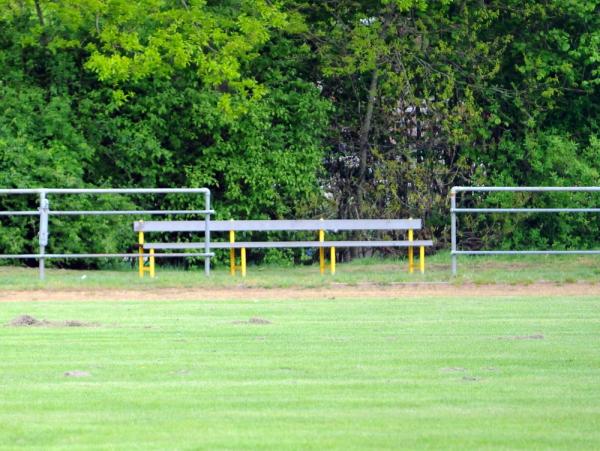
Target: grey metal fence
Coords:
[(44, 212), (454, 211)]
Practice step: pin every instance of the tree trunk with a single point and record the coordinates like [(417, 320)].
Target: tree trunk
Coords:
[(365, 130)]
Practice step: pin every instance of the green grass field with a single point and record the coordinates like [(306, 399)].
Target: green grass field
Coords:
[(327, 373)]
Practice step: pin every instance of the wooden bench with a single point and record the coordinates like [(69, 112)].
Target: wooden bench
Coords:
[(321, 226)]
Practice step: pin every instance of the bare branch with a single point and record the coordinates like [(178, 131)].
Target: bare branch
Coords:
[(38, 10)]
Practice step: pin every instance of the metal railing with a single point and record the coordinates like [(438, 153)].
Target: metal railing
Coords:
[(454, 211), (44, 212)]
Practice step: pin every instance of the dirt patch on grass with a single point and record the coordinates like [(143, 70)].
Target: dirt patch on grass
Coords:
[(470, 378), (75, 323), (523, 337), (25, 321), (453, 369), (77, 373), (338, 291), (254, 321), (30, 321)]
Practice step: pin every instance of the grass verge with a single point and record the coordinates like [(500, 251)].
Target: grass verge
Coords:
[(479, 270)]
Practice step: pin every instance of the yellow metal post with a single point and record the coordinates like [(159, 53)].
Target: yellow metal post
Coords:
[(141, 252), (243, 257), (332, 256), (152, 263), (232, 253), (322, 252), (422, 259), (411, 256), (141, 267)]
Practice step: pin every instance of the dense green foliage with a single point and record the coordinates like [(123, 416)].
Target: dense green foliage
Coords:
[(434, 94), (346, 108)]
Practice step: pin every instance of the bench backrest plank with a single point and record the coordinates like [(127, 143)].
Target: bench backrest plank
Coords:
[(287, 244), (278, 225)]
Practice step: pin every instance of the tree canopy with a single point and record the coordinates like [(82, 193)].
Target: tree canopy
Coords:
[(341, 108)]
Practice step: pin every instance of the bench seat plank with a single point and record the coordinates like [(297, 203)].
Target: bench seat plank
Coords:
[(278, 225), (288, 244)]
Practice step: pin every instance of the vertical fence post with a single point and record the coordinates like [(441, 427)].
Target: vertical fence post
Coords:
[(43, 233), (207, 233), (453, 229)]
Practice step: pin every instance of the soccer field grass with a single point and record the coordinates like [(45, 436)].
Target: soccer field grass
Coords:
[(506, 372)]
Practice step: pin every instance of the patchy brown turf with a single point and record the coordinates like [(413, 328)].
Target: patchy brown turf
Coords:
[(77, 373), (337, 291), (254, 321), (30, 321), (523, 337)]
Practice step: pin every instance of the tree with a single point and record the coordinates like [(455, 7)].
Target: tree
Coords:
[(157, 93)]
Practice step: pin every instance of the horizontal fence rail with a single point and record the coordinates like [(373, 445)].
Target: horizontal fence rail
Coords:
[(532, 189), (128, 212), (44, 212), (529, 189), (104, 190), (110, 255), (527, 210), (583, 252)]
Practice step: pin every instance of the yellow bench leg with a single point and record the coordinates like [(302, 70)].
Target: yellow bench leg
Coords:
[(232, 262), (243, 257), (141, 266), (411, 253), (332, 259), (152, 263), (422, 259), (322, 260), (322, 252), (232, 253), (141, 252)]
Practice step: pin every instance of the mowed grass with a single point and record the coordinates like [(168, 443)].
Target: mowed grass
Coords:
[(388, 271), (325, 373)]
